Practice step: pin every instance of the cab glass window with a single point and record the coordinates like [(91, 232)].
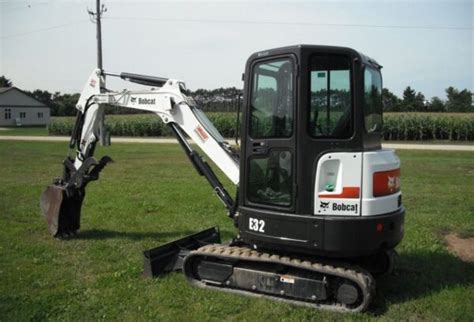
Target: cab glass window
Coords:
[(330, 112), (270, 179), (373, 104), (271, 109)]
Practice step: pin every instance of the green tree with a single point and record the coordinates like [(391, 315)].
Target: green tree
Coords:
[(419, 105), (412, 101), (436, 105), (391, 103), (66, 103), (60, 104), (458, 101), (5, 82), (42, 96), (409, 95)]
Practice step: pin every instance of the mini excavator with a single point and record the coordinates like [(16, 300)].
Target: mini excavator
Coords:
[(318, 207)]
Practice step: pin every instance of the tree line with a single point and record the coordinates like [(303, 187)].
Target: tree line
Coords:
[(229, 99), (412, 101)]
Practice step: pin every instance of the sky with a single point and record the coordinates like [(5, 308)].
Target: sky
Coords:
[(51, 45)]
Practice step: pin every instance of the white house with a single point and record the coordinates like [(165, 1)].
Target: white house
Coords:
[(20, 109)]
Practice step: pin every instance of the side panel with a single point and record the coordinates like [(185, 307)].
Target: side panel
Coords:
[(378, 161), (274, 229), (337, 189), (338, 236)]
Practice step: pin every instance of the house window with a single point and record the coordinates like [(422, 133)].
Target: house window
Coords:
[(8, 113), (22, 115), (40, 115)]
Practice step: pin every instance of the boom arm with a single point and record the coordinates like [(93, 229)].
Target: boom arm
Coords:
[(61, 202), (168, 102)]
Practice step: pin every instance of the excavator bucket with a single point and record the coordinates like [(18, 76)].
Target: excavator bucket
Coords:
[(170, 257), (62, 210), (61, 202)]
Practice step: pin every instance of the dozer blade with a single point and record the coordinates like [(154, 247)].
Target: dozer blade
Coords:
[(170, 257), (62, 210)]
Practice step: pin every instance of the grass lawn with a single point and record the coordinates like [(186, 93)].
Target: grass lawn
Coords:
[(34, 131), (151, 195)]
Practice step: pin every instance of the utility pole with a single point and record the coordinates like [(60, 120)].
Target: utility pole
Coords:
[(96, 18), (104, 137)]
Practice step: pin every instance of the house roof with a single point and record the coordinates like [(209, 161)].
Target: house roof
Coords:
[(15, 97), (4, 89)]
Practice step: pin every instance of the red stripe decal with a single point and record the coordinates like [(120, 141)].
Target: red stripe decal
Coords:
[(347, 192)]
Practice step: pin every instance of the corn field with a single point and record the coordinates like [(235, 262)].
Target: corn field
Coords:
[(429, 126), (397, 126)]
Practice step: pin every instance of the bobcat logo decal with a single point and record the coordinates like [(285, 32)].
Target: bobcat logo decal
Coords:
[(324, 205), (393, 183)]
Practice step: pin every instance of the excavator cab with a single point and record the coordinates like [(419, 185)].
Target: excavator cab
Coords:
[(319, 208), (311, 148)]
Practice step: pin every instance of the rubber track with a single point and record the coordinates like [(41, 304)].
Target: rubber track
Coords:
[(361, 277)]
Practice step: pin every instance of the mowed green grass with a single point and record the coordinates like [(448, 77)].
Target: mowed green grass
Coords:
[(17, 131), (151, 195)]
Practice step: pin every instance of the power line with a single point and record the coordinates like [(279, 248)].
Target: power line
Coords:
[(309, 24), (44, 29), (165, 20)]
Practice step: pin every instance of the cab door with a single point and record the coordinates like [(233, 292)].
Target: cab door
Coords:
[(270, 138)]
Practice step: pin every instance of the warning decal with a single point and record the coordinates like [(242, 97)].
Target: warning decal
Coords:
[(201, 133)]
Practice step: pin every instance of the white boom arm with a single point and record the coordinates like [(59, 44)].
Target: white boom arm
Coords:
[(169, 103)]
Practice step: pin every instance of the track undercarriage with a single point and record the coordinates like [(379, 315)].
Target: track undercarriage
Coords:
[(290, 279)]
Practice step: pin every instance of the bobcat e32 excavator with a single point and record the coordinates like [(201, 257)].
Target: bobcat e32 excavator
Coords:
[(318, 206)]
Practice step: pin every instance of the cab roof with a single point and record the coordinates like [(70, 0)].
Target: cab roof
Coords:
[(322, 48)]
